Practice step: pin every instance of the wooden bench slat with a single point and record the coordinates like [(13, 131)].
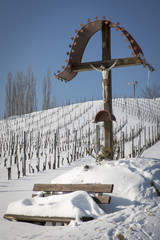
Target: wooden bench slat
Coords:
[(24, 218), (32, 219), (97, 188)]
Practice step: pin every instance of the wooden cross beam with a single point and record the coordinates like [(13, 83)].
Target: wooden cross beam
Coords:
[(122, 62)]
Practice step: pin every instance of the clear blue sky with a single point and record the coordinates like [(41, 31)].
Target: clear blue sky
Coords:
[(38, 32)]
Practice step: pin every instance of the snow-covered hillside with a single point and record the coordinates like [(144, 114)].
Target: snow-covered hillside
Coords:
[(61, 135), (134, 211)]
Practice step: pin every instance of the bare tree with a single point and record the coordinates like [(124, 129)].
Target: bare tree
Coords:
[(30, 96), (54, 103), (44, 104), (47, 91), (151, 92), (14, 99), (49, 88), (21, 94), (8, 102)]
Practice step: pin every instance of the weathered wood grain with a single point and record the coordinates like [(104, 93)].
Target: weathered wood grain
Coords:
[(96, 188)]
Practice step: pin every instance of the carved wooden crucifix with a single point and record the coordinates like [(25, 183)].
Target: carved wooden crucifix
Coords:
[(74, 64)]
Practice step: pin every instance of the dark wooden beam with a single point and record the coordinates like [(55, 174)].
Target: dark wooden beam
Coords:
[(43, 220), (32, 219), (107, 100), (122, 62)]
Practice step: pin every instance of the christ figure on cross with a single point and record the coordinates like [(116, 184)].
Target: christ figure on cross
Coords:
[(105, 80)]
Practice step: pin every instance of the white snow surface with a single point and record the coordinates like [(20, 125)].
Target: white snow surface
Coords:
[(134, 210)]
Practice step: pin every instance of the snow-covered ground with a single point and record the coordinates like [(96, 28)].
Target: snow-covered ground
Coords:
[(134, 210)]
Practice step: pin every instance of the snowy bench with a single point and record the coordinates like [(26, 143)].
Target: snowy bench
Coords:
[(96, 191)]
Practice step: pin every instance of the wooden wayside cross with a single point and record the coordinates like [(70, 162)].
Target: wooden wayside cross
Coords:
[(74, 64)]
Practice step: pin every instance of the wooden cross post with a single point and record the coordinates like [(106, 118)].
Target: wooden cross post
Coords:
[(106, 55), (107, 62)]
